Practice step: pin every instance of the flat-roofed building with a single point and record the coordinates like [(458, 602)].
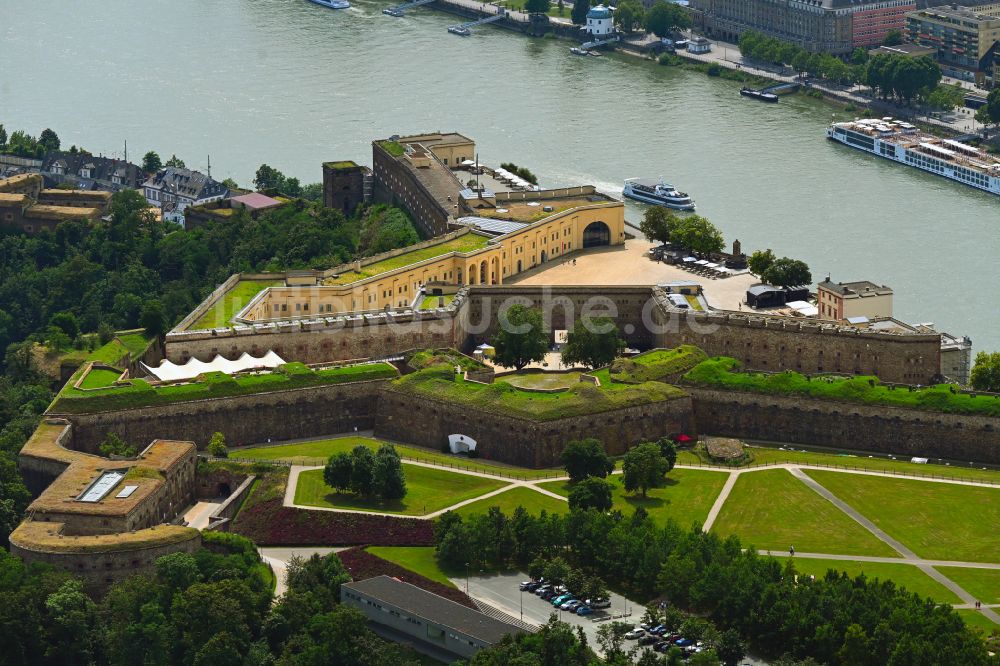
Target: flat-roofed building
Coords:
[(398, 608), (965, 39)]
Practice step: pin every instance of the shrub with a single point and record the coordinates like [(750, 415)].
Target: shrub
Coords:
[(715, 69)]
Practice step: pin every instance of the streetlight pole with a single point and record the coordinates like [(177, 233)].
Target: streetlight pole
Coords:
[(466, 578), (522, 605)]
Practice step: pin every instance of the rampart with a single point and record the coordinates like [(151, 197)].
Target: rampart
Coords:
[(428, 422), (278, 415), (847, 425)]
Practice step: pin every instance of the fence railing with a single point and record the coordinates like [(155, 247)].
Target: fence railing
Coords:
[(514, 475)]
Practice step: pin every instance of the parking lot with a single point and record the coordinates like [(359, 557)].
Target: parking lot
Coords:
[(500, 591)]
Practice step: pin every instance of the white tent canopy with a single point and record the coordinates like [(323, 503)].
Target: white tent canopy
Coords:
[(168, 371)]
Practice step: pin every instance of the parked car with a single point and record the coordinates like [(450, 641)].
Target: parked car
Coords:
[(527, 585), (683, 642), (548, 595), (634, 634), (659, 629), (561, 599), (542, 589), (648, 639), (571, 605), (599, 603), (662, 646), (584, 610)]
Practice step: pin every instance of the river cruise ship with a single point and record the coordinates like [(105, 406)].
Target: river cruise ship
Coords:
[(902, 142), (657, 192)]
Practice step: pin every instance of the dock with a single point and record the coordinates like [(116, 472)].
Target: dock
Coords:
[(400, 10), (464, 30), (586, 46), (782, 88)]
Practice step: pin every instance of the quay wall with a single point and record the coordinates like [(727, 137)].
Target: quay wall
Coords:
[(279, 415), (523, 442), (875, 428)]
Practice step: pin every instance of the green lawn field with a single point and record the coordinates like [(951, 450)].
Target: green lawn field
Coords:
[(983, 584), (772, 509), (687, 498), (903, 575), (319, 451), (99, 378), (940, 521), (977, 620), (427, 491), (509, 500), (418, 559), (234, 300)]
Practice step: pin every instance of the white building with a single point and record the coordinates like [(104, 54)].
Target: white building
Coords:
[(173, 189), (600, 22)]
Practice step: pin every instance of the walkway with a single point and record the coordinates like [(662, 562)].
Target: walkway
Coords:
[(907, 556)]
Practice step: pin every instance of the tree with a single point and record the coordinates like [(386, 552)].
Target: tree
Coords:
[(787, 272), (593, 342), (611, 638), (151, 162), (665, 17), (66, 322), (643, 468), (586, 458), (337, 473), (175, 162), (731, 649), (659, 224), (390, 482), (986, 372), (556, 571), (760, 261), (579, 12), (590, 493), (153, 319), (521, 338), (537, 6), (113, 445), (629, 15), (217, 445), (946, 98), (3, 136), (48, 140), (989, 114), (669, 452), (893, 38), (71, 614), (231, 184), (698, 235)]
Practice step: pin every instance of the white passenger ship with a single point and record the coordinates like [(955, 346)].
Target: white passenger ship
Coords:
[(902, 142), (657, 192)]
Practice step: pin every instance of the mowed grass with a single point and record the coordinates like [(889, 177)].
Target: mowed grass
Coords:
[(940, 521), (508, 501), (983, 584), (319, 451), (418, 559), (903, 575), (99, 378), (542, 380), (772, 509), (427, 490), (231, 302), (977, 620), (687, 498)]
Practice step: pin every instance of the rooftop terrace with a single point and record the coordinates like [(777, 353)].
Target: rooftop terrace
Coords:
[(528, 211)]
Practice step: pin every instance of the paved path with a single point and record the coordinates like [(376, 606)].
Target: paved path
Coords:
[(884, 560), (896, 545), (278, 557), (720, 500)]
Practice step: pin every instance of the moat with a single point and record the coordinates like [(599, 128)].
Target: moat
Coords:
[(292, 85)]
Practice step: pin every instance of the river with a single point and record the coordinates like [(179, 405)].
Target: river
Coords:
[(292, 84)]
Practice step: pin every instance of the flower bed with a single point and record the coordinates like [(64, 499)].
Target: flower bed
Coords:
[(363, 565)]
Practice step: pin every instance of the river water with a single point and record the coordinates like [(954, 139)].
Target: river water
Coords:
[(293, 84)]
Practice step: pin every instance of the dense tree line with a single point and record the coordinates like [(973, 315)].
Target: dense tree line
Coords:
[(366, 474), (211, 607), (834, 619), (780, 272)]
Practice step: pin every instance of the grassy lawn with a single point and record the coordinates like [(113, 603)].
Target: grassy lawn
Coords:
[(903, 575), (464, 243), (772, 509), (983, 584), (936, 520), (504, 398), (431, 302), (427, 490), (768, 455), (725, 372), (533, 501), (687, 498), (231, 302), (99, 378), (656, 364), (977, 620), (133, 344), (543, 380), (418, 559), (140, 393), (319, 451)]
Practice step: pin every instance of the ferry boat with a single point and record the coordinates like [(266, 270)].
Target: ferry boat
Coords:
[(905, 143), (657, 192), (758, 95), (462, 31), (578, 51), (332, 4)]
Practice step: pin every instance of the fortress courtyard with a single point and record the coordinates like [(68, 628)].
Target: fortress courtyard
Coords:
[(630, 264)]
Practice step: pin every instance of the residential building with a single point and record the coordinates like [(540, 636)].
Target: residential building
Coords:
[(253, 203), (699, 45), (827, 26), (965, 39), (173, 189), (600, 22), (88, 172), (401, 611), (841, 301)]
